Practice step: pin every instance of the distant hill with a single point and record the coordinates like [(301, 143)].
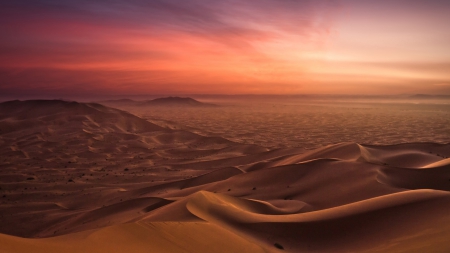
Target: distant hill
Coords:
[(177, 101), (166, 101), (48, 115)]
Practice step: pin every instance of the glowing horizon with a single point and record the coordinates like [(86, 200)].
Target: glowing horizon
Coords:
[(224, 47)]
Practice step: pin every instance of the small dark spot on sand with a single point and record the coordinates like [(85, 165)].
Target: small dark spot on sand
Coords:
[(254, 188), (30, 178), (278, 246)]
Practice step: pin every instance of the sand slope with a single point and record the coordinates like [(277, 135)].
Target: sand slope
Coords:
[(78, 177)]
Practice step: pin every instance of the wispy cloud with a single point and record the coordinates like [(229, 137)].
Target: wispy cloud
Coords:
[(220, 39), (235, 45)]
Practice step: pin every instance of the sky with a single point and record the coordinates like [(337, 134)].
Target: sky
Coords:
[(123, 47)]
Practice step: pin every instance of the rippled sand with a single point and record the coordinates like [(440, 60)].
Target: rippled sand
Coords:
[(310, 124), (83, 177)]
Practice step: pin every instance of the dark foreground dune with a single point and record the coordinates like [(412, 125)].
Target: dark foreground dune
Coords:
[(78, 177)]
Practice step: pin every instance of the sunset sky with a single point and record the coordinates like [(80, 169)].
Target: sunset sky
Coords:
[(112, 47)]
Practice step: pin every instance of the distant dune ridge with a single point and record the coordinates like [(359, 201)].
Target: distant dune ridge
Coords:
[(165, 101), (83, 177), (88, 116), (427, 96)]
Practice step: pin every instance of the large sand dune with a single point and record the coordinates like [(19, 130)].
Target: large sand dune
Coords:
[(83, 177)]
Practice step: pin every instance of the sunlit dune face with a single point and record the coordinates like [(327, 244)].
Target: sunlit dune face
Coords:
[(172, 46)]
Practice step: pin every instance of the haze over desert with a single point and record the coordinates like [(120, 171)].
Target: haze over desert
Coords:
[(191, 126)]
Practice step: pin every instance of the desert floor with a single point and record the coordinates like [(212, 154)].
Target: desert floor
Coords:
[(249, 176)]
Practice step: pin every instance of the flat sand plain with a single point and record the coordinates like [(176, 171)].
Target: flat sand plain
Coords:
[(272, 177), (309, 123)]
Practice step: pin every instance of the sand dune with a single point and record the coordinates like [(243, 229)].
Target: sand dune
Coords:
[(77, 177), (440, 163), (162, 102), (164, 237)]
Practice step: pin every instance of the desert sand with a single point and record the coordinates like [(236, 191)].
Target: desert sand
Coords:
[(86, 177), (307, 122)]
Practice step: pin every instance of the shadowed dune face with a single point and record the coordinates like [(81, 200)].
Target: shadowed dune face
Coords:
[(83, 177)]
